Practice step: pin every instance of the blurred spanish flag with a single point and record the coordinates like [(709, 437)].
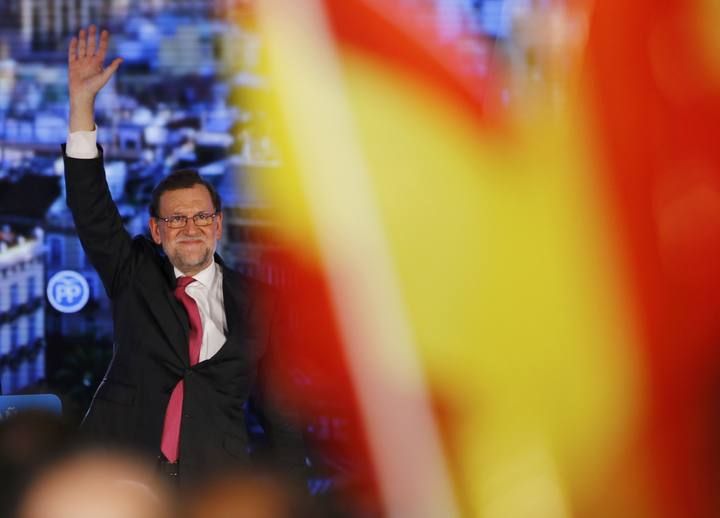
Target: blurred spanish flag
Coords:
[(505, 250)]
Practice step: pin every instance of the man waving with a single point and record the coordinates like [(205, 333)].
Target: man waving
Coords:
[(193, 339)]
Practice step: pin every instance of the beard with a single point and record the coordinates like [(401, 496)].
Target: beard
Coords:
[(188, 260)]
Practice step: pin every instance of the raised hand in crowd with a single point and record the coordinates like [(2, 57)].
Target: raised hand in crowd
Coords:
[(86, 75)]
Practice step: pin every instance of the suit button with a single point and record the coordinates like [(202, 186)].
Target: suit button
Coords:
[(188, 372), (186, 416)]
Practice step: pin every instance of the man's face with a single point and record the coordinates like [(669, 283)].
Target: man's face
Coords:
[(190, 248)]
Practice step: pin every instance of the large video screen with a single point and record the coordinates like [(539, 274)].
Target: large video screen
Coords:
[(172, 105)]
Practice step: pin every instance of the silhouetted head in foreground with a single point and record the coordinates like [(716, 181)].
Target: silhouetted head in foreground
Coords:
[(96, 484)]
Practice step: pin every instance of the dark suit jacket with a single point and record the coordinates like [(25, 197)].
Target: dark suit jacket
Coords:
[(151, 347)]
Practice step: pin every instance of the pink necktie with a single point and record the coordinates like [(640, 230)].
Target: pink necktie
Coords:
[(171, 428)]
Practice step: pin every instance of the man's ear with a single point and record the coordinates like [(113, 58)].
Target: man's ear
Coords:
[(154, 230)]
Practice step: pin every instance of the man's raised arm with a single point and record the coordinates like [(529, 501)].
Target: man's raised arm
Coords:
[(106, 242)]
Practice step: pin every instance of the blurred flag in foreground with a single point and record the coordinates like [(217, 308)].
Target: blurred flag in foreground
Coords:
[(504, 248)]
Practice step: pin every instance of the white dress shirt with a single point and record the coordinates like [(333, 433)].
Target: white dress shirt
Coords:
[(206, 291)]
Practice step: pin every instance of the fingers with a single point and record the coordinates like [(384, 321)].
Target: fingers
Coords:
[(86, 45), (91, 40), (72, 50), (110, 70), (102, 48), (114, 65), (81, 44)]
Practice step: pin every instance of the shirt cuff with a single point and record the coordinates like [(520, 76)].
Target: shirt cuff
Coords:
[(82, 144)]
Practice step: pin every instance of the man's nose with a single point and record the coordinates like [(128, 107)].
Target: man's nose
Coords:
[(191, 227)]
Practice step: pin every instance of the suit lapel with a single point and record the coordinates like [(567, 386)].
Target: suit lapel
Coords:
[(235, 304), (180, 340), (168, 312)]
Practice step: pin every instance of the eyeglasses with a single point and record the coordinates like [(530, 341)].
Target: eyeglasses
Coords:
[(201, 219)]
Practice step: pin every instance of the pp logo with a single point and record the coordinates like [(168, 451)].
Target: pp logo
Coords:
[(68, 291)]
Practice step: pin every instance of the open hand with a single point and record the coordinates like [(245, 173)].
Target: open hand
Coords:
[(86, 75)]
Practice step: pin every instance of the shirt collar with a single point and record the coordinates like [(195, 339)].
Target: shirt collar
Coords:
[(205, 277)]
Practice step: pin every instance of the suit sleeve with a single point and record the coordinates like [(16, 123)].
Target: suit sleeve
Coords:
[(98, 223), (280, 418)]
